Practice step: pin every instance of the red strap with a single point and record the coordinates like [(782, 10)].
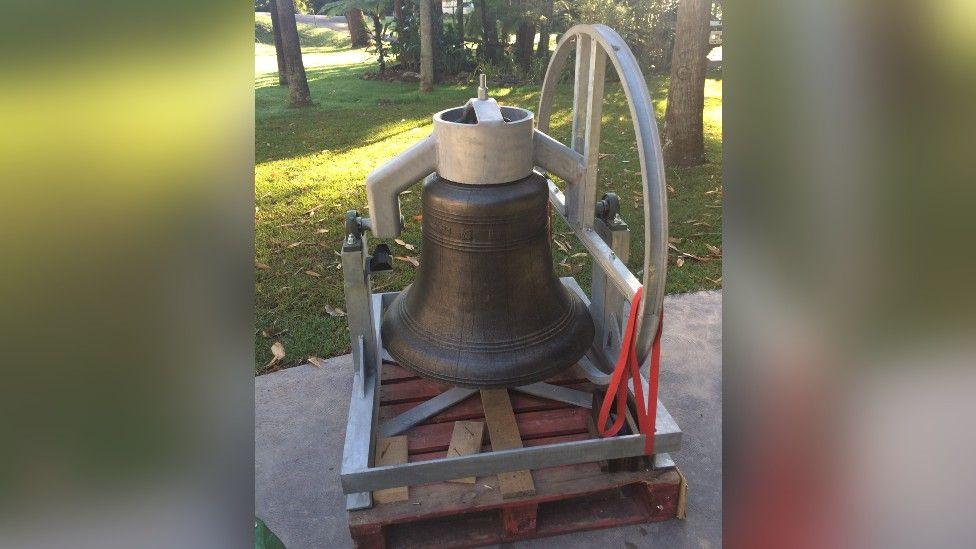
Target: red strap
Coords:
[(617, 389)]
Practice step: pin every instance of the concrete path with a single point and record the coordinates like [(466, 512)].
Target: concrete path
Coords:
[(300, 418)]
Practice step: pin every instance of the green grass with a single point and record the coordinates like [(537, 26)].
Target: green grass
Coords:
[(311, 164), (308, 35)]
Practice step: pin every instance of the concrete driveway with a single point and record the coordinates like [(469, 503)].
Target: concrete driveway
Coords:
[(334, 22)]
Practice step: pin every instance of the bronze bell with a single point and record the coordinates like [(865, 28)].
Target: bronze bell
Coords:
[(486, 308)]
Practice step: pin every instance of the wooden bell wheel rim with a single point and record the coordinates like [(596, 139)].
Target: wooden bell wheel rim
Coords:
[(595, 45)]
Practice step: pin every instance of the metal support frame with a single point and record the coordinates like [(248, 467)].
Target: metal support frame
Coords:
[(613, 284), (358, 476)]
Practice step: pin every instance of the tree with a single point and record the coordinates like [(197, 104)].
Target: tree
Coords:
[(437, 18), (426, 46), (298, 94), (279, 49), (375, 10), (398, 13), (357, 28), (545, 29), (459, 21), (489, 33), (524, 37), (684, 140)]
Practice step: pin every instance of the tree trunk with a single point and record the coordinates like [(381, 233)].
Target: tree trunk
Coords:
[(398, 14), (459, 21), (489, 33), (298, 94), (426, 46), (544, 30), (357, 28), (279, 49), (524, 36), (684, 140), (378, 38), (437, 20)]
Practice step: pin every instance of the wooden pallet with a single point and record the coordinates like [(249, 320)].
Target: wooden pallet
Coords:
[(567, 499)]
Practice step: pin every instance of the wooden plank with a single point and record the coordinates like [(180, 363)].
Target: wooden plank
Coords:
[(445, 499), (504, 434), (466, 440), (391, 451), (681, 511), (393, 373), (472, 409), (520, 520), (406, 390), (410, 390), (549, 423)]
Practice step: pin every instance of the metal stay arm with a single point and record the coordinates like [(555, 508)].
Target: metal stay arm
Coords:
[(384, 185)]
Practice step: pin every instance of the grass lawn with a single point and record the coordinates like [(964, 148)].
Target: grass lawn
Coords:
[(311, 165)]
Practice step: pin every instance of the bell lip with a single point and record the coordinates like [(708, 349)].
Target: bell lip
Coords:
[(585, 330), (535, 377)]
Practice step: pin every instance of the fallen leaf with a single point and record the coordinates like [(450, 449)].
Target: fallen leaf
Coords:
[(272, 333), (580, 254), (671, 189), (278, 353), (334, 311), (322, 231), (409, 259), (713, 249), (686, 254), (561, 246), (316, 361), (418, 217), (313, 273), (293, 244), (680, 262), (260, 265), (313, 210), (406, 245)]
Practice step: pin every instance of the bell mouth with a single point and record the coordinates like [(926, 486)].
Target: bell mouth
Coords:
[(466, 116)]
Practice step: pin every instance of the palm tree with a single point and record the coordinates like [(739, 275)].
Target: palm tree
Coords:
[(375, 10)]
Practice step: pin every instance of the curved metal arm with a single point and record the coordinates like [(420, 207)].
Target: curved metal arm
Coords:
[(384, 185), (595, 45)]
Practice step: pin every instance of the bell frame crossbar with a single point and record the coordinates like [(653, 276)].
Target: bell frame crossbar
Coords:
[(606, 238)]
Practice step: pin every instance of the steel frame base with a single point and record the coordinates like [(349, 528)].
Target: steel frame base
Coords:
[(359, 478)]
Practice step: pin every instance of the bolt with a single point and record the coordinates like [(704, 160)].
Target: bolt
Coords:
[(483, 87)]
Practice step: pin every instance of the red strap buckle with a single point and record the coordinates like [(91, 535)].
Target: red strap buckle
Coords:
[(617, 389)]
